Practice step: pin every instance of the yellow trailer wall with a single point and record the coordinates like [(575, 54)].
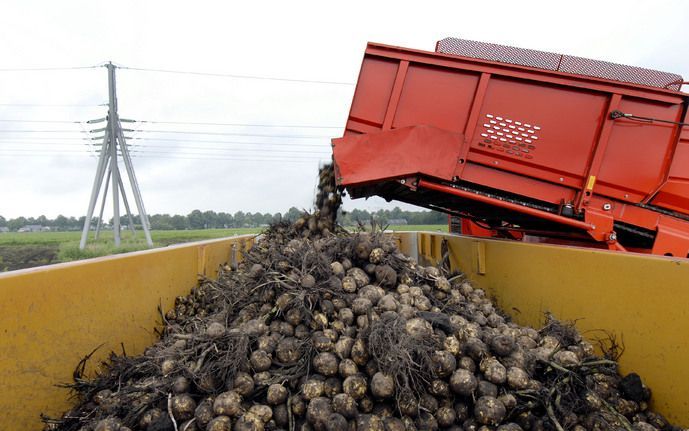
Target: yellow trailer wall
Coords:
[(50, 317)]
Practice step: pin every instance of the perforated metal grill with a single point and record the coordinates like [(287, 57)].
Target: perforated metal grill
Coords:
[(559, 62)]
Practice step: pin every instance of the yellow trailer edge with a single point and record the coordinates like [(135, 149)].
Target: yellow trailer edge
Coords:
[(50, 317)]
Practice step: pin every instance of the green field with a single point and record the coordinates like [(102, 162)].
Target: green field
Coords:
[(29, 249)]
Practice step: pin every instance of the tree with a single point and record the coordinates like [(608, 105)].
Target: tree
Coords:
[(3, 222), (179, 222), (239, 219), (293, 213), (16, 223), (196, 220)]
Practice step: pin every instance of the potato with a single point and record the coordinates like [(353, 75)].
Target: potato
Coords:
[(502, 345), (288, 351), (338, 269), (276, 394), (312, 389), (418, 328), (359, 352), (439, 388), (280, 415), (220, 423), (344, 405), (203, 413), (343, 347), (294, 316), (308, 281), (297, 405), (228, 404), (361, 306), (387, 303), (489, 411), (149, 417), (318, 412), (393, 424), (260, 360), (363, 248), (517, 378), (365, 404), (254, 328), (566, 358), (183, 407), (332, 386), (347, 368), (386, 275), (426, 421), (349, 284), (445, 416), (355, 386), (168, 366), (326, 363), (486, 388), (262, 412), (369, 423), (360, 277), (382, 385), (267, 343), (442, 284), (444, 363), (463, 382), (243, 384), (215, 330), (109, 424), (493, 370), (321, 342)]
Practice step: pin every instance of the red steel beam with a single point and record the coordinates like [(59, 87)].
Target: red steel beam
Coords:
[(507, 205)]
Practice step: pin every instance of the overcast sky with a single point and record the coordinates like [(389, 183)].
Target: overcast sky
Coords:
[(235, 167)]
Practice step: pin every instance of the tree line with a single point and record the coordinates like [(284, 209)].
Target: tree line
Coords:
[(198, 219)]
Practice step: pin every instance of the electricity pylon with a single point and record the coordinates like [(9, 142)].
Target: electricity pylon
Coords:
[(113, 144)]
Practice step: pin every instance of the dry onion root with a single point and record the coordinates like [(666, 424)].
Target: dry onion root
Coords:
[(321, 329)]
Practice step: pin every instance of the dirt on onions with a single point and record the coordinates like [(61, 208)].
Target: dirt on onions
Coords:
[(321, 329)]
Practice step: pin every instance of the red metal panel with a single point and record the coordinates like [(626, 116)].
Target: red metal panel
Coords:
[(635, 157), (551, 128), (373, 90), (437, 97), (674, 195), (367, 158)]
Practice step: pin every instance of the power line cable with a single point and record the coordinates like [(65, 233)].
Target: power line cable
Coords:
[(46, 69), (192, 123), (227, 142), (236, 76), (40, 121), (186, 132), (52, 105)]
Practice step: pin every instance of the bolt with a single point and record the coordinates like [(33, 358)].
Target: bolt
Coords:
[(607, 207), (562, 179), (403, 181), (612, 236)]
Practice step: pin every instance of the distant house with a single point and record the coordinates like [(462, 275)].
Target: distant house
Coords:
[(31, 228), (4, 229), (397, 221)]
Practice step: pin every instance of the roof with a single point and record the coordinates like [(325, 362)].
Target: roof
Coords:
[(559, 62)]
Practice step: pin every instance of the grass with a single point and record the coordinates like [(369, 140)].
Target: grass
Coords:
[(54, 247)]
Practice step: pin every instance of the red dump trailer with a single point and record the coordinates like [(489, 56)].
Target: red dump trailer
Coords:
[(523, 143)]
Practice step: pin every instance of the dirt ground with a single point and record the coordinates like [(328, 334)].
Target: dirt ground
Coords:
[(26, 256)]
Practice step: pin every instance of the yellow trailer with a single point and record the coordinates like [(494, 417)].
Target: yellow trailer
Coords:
[(50, 317)]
